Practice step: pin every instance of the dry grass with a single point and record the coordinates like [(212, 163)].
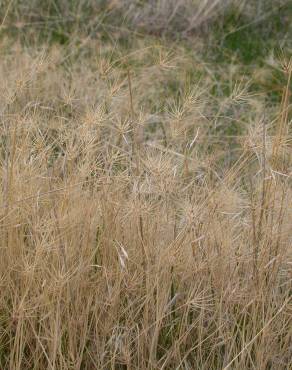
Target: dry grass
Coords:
[(130, 237)]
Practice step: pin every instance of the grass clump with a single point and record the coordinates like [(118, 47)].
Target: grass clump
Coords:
[(145, 205)]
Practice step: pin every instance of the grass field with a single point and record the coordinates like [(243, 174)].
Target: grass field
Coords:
[(146, 197)]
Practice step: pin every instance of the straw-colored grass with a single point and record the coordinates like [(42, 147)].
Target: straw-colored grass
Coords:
[(132, 235)]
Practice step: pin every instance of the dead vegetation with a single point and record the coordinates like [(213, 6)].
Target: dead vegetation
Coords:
[(133, 235)]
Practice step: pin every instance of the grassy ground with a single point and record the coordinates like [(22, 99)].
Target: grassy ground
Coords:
[(146, 185)]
